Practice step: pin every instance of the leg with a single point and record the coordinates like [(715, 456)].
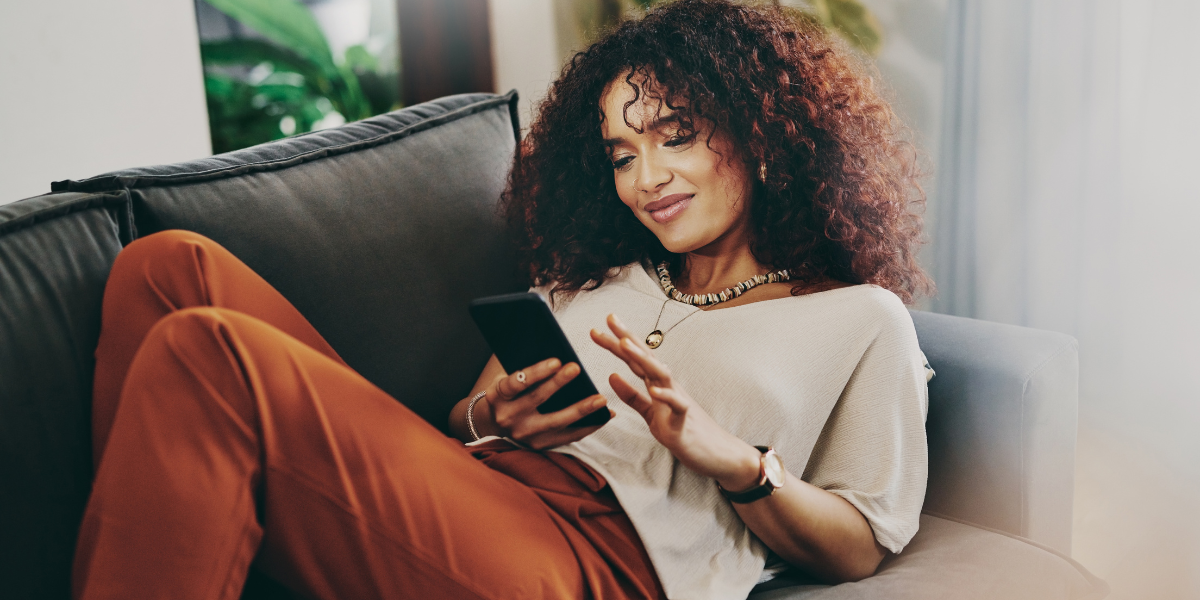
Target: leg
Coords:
[(169, 271), (224, 416)]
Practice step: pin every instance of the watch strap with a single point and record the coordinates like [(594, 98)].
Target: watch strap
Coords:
[(762, 490)]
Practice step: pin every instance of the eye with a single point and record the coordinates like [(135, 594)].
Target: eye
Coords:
[(679, 139), (622, 163)]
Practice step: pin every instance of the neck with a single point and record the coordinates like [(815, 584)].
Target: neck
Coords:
[(721, 264)]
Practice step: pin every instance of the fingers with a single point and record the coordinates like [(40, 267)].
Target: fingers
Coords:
[(668, 396), (619, 328), (613, 344), (548, 431), (631, 350), (535, 397), (630, 395), (562, 437), (511, 386), (563, 418), (654, 370)]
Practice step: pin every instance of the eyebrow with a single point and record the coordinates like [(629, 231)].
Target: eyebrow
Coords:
[(654, 124)]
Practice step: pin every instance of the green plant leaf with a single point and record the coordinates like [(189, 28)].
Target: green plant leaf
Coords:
[(856, 24), (252, 52), (354, 105), (285, 22), (358, 59), (248, 52)]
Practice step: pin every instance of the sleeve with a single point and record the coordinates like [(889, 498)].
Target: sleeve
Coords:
[(872, 450)]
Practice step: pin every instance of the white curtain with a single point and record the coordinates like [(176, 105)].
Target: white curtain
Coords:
[(1068, 199)]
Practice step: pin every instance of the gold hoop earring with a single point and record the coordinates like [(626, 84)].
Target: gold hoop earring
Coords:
[(762, 172)]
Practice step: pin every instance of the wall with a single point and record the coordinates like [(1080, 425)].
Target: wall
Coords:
[(525, 52), (91, 86)]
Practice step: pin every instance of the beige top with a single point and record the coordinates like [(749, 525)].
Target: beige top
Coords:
[(834, 381)]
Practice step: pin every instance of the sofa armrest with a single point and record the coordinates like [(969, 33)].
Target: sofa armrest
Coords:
[(1002, 425)]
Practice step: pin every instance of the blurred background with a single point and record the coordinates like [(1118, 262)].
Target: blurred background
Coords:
[(1061, 139)]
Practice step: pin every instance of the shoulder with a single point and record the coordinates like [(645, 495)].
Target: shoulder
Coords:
[(863, 302), (874, 314), (884, 304)]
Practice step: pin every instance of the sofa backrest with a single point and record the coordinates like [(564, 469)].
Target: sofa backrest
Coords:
[(380, 232), (55, 254)]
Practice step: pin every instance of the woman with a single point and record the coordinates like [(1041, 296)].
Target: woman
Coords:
[(722, 178)]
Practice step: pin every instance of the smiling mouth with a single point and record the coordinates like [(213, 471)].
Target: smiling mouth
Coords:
[(668, 208)]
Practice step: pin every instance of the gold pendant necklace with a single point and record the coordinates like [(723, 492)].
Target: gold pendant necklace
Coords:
[(655, 338)]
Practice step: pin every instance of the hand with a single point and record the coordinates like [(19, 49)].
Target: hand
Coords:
[(511, 409), (675, 420)]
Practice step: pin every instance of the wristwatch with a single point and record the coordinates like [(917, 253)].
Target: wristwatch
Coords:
[(770, 478)]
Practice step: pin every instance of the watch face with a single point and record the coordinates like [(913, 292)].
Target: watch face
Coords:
[(773, 467)]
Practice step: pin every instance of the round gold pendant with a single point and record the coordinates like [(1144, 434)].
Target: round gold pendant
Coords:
[(655, 339)]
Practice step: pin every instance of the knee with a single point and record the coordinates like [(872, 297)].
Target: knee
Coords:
[(192, 338), (190, 327), (189, 358), (165, 248)]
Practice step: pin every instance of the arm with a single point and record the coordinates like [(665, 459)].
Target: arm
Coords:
[(809, 527), (510, 407), (806, 525)]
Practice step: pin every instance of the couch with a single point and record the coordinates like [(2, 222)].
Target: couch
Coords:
[(380, 232)]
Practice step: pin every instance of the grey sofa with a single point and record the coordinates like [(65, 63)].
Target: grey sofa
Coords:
[(380, 232)]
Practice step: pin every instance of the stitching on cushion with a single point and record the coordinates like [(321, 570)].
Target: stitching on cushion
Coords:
[(107, 182), (115, 198)]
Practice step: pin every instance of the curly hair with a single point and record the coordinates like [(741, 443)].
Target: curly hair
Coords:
[(841, 200)]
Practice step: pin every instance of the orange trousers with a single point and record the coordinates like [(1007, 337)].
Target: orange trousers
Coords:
[(227, 431)]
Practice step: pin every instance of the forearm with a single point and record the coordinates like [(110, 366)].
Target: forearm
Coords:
[(481, 415), (815, 530)]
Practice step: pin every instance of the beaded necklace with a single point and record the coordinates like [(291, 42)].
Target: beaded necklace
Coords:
[(655, 338), (729, 293)]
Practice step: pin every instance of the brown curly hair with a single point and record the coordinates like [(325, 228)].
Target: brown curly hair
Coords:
[(841, 200)]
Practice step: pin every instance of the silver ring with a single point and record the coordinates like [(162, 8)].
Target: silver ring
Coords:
[(520, 376)]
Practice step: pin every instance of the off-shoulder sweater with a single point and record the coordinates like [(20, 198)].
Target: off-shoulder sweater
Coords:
[(834, 381)]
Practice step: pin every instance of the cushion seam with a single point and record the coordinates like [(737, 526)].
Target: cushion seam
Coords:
[(102, 182), (106, 199)]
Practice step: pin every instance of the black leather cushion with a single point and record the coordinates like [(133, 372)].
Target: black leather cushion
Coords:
[(950, 560), (55, 254), (379, 232)]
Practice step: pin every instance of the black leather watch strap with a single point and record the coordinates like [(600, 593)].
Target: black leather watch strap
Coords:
[(762, 490)]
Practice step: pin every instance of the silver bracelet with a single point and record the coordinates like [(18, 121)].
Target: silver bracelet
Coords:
[(470, 418)]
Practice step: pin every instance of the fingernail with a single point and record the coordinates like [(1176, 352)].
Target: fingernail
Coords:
[(552, 363), (598, 402)]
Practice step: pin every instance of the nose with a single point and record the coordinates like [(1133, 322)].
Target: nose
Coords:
[(651, 175)]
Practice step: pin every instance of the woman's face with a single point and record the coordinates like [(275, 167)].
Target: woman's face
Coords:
[(689, 193)]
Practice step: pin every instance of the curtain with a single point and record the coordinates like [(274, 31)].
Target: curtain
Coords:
[(1067, 199)]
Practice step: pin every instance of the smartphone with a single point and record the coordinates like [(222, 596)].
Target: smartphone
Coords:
[(522, 331)]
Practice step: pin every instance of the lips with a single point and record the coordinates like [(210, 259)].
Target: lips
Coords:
[(668, 207)]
